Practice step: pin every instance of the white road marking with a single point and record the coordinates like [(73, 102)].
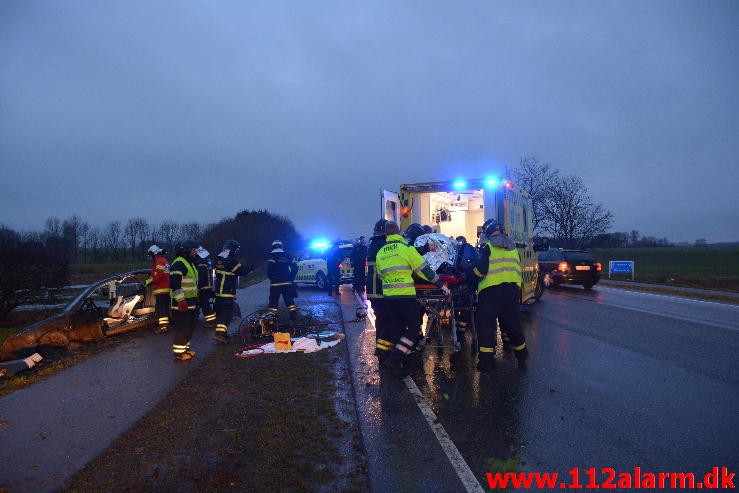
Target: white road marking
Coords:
[(460, 466)]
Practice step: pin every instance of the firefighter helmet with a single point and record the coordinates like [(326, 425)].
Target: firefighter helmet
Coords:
[(185, 246), (154, 250), (277, 244), (491, 226), (412, 232), (379, 229), (231, 245)]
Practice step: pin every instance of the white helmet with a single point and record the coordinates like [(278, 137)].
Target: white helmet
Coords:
[(202, 252), (153, 250), (276, 246)]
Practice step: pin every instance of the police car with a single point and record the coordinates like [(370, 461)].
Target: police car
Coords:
[(312, 267)]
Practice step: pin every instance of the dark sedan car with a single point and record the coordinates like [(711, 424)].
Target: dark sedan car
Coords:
[(558, 266)]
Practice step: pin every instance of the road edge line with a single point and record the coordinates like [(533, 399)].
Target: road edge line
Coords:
[(460, 466)]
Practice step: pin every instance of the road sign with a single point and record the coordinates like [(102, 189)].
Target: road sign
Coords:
[(621, 267)]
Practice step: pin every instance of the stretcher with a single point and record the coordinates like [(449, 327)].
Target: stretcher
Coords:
[(443, 312)]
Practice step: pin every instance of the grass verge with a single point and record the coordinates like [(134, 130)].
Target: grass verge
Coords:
[(268, 423)]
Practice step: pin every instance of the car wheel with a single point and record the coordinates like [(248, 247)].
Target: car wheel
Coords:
[(548, 281), (321, 280)]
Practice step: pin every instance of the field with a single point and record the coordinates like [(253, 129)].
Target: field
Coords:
[(708, 268)]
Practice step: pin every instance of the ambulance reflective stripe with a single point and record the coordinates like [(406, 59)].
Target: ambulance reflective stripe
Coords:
[(281, 284)]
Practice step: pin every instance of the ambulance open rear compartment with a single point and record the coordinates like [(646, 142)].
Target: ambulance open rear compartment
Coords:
[(460, 207)]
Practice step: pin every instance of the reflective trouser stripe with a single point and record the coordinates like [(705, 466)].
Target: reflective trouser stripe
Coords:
[(179, 348), (292, 308), (487, 349), (164, 321), (221, 328), (384, 345), (272, 309), (518, 348), (405, 345), (210, 317)]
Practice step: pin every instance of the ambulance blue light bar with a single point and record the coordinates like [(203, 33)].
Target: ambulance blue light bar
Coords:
[(490, 181), (459, 184), (319, 244)]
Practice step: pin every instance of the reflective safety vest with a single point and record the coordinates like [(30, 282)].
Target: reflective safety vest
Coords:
[(503, 266), (184, 282), (396, 262)]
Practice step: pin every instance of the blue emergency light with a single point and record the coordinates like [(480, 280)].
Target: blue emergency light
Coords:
[(319, 244), (459, 184), (491, 181)]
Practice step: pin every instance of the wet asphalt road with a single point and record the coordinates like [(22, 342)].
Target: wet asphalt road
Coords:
[(617, 379)]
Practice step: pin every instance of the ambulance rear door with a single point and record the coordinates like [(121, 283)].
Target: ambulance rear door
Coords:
[(390, 206)]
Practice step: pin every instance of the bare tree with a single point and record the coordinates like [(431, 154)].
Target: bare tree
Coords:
[(536, 178), (94, 242), (169, 232), (136, 230), (570, 215), (112, 238), (53, 226), (192, 230), (72, 233)]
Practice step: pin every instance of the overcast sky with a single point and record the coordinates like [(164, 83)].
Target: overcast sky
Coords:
[(194, 111)]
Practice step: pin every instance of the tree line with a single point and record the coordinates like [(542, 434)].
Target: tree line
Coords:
[(566, 215), (33, 262)]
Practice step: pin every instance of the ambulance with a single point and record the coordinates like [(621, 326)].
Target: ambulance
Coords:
[(460, 207)]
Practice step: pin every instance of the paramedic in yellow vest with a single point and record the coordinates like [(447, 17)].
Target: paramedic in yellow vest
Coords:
[(498, 295), (183, 280), (396, 263)]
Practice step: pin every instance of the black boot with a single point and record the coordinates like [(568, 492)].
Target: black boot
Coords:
[(394, 362), (522, 355), (485, 362)]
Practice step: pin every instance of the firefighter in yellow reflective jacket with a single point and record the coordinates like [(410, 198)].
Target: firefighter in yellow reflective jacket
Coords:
[(396, 262), (183, 280), (498, 295), (228, 269)]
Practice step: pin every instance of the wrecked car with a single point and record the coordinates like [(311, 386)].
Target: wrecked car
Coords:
[(112, 306)]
